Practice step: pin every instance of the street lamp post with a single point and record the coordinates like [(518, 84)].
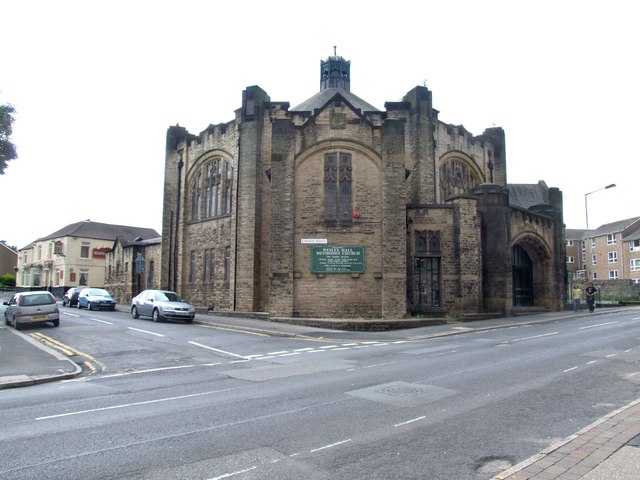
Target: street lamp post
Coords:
[(586, 211)]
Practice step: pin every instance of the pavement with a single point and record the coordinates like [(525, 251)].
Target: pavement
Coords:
[(608, 449)]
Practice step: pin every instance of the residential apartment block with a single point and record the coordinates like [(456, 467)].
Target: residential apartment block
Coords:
[(610, 252)]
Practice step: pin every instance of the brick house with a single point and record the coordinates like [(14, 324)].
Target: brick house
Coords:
[(335, 208)]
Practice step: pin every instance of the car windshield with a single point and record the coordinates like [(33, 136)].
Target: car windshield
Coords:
[(98, 292), (168, 297)]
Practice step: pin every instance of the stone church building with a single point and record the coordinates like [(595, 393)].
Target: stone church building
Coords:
[(334, 208)]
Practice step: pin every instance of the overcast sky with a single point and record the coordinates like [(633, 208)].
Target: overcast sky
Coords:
[(97, 84)]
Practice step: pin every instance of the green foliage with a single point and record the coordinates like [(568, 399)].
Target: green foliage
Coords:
[(8, 280), (7, 148)]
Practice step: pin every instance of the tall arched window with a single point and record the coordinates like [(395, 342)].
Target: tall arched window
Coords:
[(211, 190), (337, 187)]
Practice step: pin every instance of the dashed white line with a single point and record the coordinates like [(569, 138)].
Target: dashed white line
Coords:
[(331, 445), (569, 369), (146, 331), (232, 474), (278, 353), (101, 321), (598, 325), (410, 421), (592, 362), (611, 355), (531, 338)]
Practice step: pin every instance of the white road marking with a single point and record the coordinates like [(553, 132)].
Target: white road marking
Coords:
[(278, 353), (569, 369), (146, 331), (611, 355), (592, 362), (134, 404), (410, 421), (217, 350), (331, 445), (232, 474), (531, 338), (101, 321), (598, 325)]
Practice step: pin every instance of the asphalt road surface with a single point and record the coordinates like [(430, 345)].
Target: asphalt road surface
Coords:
[(167, 400)]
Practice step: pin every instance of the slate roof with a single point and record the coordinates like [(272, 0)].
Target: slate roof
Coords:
[(615, 227), (575, 233), (321, 98), (102, 231), (527, 195), (137, 241)]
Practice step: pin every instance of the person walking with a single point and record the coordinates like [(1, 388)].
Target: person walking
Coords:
[(591, 296), (577, 298)]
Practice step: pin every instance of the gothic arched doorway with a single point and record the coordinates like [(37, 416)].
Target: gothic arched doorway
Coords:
[(522, 273)]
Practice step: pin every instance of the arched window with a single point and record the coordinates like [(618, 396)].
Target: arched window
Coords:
[(456, 177), (210, 193), (337, 187)]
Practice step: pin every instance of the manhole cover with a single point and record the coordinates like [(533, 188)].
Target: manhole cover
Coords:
[(403, 394)]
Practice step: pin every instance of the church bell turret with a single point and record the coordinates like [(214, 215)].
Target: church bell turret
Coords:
[(335, 73)]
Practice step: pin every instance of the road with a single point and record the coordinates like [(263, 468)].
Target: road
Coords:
[(166, 400)]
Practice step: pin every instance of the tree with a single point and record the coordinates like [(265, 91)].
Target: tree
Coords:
[(7, 148)]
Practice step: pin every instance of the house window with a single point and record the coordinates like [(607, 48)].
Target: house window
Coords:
[(613, 274), (209, 266), (569, 243), (613, 257), (636, 280), (611, 239), (84, 250), (635, 265), (337, 187), (594, 259), (83, 281), (195, 199), (634, 246), (593, 242), (570, 259)]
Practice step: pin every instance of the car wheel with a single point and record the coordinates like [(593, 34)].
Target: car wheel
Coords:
[(16, 325), (134, 312), (78, 306), (89, 306), (155, 315), (56, 323), (64, 302), (6, 321), (189, 320)]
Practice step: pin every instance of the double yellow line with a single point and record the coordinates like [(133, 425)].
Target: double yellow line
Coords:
[(91, 363)]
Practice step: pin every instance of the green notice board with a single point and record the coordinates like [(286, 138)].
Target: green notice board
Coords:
[(331, 259)]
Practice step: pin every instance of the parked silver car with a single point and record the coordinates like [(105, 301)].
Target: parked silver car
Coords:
[(162, 305), (31, 307)]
